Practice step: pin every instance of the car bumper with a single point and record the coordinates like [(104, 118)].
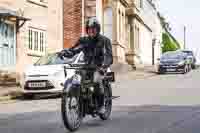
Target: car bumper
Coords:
[(55, 87), (174, 68), (42, 91)]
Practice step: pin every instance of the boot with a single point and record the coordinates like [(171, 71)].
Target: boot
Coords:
[(101, 104)]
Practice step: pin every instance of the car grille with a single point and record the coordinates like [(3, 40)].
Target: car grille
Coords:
[(37, 75), (169, 63), (48, 86), (169, 66)]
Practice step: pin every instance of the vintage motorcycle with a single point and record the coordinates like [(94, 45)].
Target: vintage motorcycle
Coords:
[(79, 97)]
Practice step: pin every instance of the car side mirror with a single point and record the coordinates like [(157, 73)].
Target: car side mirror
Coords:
[(158, 59)]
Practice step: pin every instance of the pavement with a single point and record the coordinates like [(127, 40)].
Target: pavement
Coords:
[(9, 93), (160, 104), (142, 72)]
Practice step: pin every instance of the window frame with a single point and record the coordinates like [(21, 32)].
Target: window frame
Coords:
[(141, 3), (36, 41)]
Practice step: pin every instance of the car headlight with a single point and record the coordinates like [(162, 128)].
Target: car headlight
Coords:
[(56, 74), (181, 63)]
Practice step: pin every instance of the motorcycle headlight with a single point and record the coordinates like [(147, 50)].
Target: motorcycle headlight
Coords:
[(76, 79), (181, 63)]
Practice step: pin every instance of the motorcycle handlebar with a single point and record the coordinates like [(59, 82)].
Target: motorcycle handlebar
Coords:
[(81, 66)]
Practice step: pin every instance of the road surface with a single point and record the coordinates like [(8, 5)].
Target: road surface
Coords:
[(160, 104)]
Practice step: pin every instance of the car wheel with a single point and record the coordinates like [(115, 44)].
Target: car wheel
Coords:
[(160, 71), (193, 66), (185, 70)]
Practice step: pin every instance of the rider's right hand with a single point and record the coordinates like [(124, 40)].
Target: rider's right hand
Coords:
[(61, 54), (65, 53)]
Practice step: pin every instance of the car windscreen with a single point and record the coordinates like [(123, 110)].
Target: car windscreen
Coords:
[(53, 59), (189, 53), (172, 56)]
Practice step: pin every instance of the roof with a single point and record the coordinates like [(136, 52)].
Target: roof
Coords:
[(10, 13)]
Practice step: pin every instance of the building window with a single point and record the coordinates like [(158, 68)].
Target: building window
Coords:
[(36, 40), (119, 26), (137, 38), (30, 38), (141, 3), (41, 41)]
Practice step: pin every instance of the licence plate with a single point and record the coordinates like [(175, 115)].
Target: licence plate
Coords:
[(37, 84), (171, 70)]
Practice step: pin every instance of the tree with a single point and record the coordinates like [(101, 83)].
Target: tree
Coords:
[(168, 43), (164, 23)]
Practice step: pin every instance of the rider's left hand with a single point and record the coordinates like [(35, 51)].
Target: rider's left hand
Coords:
[(102, 70)]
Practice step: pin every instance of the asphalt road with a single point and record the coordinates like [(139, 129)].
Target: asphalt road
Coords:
[(161, 104)]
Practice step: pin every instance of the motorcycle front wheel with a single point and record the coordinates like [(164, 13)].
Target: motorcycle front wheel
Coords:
[(71, 112)]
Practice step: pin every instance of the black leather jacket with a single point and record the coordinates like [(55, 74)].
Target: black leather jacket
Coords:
[(97, 51)]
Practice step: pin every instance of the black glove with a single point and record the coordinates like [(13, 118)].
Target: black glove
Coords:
[(61, 54), (65, 53), (102, 70), (68, 53)]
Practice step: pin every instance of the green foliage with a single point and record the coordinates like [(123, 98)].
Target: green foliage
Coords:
[(169, 44)]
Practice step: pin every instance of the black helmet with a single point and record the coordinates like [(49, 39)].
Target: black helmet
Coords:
[(93, 23)]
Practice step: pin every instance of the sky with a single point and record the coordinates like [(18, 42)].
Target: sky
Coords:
[(183, 12)]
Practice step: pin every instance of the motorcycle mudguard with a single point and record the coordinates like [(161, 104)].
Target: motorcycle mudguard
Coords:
[(72, 89)]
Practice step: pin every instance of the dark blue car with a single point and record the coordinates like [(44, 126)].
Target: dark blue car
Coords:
[(174, 62)]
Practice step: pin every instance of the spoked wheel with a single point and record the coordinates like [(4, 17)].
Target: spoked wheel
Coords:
[(71, 112), (107, 102)]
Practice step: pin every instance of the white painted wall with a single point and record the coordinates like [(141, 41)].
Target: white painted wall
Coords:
[(150, 18), (99, 11), (158, 35), (108, 23), (145, 50)]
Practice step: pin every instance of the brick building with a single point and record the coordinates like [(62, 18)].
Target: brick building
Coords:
[(112, 17), (72, 21), (23, 42), (75, 14), (132, 26)]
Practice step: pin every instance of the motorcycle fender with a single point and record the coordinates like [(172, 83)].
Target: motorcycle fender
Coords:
[(70, 88)]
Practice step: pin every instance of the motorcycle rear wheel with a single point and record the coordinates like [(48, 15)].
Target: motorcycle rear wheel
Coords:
[(107, 103)]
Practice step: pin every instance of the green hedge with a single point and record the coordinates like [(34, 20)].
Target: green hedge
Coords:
[(169, 44)]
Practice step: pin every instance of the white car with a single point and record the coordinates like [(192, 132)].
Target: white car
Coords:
[(47, 74)]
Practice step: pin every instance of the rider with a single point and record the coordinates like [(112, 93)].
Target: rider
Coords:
[(98, 51)]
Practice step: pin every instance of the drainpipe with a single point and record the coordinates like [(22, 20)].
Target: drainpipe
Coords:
[(83, 17)]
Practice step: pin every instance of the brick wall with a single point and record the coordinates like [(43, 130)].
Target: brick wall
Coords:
[(72, 21)]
